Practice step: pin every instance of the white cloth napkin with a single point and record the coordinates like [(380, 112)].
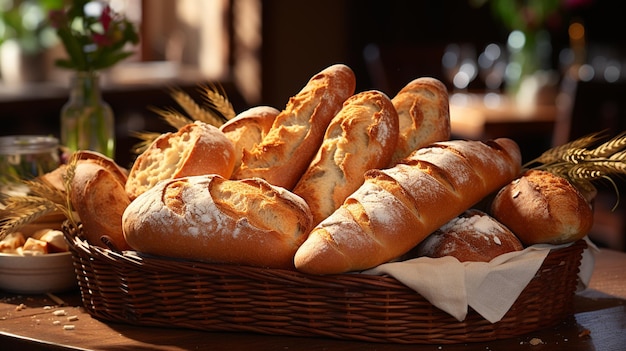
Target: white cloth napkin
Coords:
[(489, 288)]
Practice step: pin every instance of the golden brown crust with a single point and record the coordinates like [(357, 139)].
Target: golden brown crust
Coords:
[(195, 149), (209, 218), (474, 236), (397, 208), (99, 199), (87, 155), (248, 129), (540, 207), (424, 115), (288, 148), (360, 137)]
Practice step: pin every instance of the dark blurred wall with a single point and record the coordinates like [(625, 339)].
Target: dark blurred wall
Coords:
[(302, 37)]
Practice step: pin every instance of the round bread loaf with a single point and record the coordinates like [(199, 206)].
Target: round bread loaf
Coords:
[(540, 207), (474, 236), (248, 129), (209, 218), (195, 149), (99, 198)]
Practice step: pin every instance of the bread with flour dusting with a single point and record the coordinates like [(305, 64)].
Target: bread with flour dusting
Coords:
[(424, 115), (396, 208), (474, 236), (210, 218), (362, 136)]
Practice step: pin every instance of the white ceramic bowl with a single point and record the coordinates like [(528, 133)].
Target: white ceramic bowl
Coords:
[(37, 274)]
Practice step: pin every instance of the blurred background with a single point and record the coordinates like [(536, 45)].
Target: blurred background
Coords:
[(540, 72)]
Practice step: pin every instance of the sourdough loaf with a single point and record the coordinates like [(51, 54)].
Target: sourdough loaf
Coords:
[(287, 150), (360, 137), (424, 114), (541, 207), (209, 218), (474, 236), (195, 149), (396, 208)]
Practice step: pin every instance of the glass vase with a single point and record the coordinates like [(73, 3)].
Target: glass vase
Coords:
[(87, 121)]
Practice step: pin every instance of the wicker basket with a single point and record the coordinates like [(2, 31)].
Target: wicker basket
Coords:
[(154, 291)]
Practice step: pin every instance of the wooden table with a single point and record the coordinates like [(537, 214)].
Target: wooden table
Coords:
[(30, 323)]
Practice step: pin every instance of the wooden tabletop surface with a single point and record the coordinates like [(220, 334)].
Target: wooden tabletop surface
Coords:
[(35, 323)]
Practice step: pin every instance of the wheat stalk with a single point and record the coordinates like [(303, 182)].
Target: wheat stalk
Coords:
[(172, 117), (195, 111), (559, 153), (22, 210), (581, 164), (146, 139), (216, 98), (610, 147), (45, 190)]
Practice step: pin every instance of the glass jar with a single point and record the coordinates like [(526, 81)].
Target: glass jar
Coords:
[(87, 121), (27, 156)]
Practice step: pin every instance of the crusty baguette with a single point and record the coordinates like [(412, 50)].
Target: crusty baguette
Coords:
[(248, 129), (288, 148), (209, 218), (396, 208), (195, 149), (424, 114), (362, 136)]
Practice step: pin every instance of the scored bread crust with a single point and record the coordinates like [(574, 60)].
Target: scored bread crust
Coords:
[(362, 136), (248, 129), (195, 149), (396, 208), (209, 218), (424, 115), (473, 236), (541, 207), (287, 150), (99, 198)]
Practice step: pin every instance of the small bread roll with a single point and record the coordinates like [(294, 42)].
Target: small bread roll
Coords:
[(209, 218), (474, 236), (99, 198), (248, 129), (362, 136), (424, 114), (540, 207), (195, 149)]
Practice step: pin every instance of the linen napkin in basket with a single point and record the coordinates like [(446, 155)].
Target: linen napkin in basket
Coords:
[(490, 288)]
